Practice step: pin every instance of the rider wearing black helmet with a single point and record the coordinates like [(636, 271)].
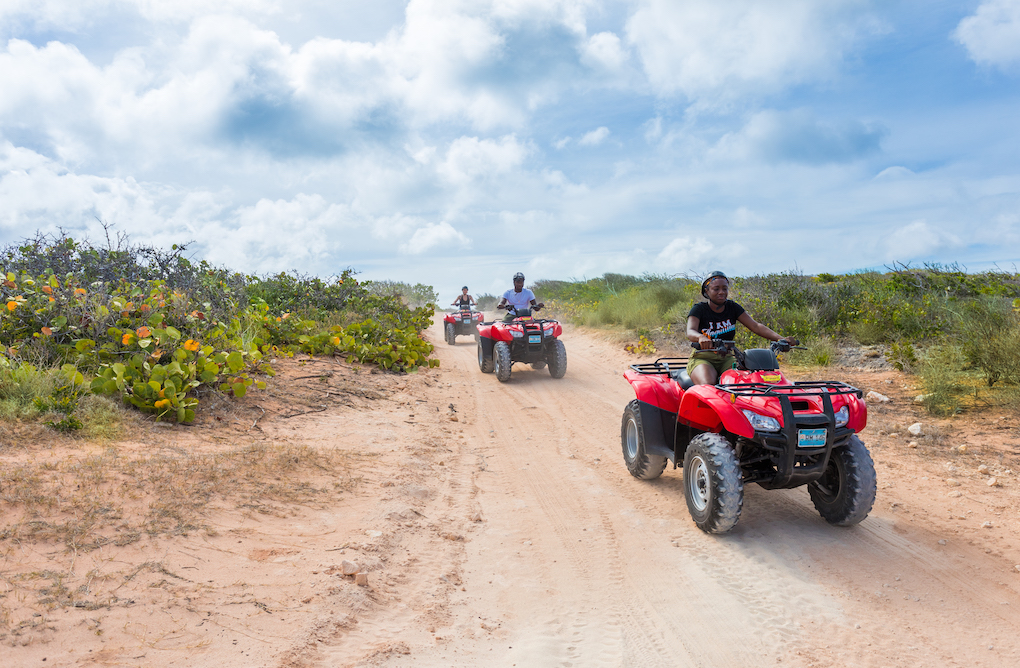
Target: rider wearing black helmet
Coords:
[(520, 298), (464, 300), (717, 318)]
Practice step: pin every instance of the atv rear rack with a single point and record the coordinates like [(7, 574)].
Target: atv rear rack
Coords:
[(661, 365)]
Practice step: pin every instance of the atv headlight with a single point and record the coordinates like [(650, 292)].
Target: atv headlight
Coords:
[(842, 416), (761, 422), (517, 335)]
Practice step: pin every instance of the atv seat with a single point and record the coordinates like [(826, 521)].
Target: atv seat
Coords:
[(760, 359), (681, 376)]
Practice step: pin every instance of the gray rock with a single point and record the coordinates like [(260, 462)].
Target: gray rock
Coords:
[(877, 397), (348, 567), (915, 429)]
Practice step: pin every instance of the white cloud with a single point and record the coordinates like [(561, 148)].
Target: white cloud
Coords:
[(604, 50), (433, 236), (916, 241), (992, 34), (595, 137), (471, 158), (279, 235), (39, 193), (719, 51), (684, 254)]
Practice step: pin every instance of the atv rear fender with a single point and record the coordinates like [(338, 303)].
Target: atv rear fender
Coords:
[(659, 390), (706, 408)]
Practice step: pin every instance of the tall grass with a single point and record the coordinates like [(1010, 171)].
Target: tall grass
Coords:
[(918, 315)]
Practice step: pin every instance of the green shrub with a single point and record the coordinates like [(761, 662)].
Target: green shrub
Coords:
[(415, 296), (902, 355), (939, 369), (987, 330), (820, 352), (487, 302)]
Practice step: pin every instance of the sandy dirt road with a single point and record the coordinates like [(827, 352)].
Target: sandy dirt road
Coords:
[(580, 564), (496, 525)]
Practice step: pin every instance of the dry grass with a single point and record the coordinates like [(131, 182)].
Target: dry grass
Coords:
[(89, 500)]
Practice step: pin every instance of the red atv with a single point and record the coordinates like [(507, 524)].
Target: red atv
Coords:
[(462, 322), (754, 426), (524, 339)]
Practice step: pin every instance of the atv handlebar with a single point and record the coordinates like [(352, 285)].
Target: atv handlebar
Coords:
[(722, 346), (510, 307)]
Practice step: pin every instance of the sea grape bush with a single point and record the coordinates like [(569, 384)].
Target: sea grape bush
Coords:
[(158, 330)]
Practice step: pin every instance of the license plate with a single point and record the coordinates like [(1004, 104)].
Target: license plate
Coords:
[(811, 438), (466, 320), (535, 338)]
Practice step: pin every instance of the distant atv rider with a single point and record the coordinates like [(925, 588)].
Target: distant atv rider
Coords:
[(717, 318), (520, 298), (464, 300)]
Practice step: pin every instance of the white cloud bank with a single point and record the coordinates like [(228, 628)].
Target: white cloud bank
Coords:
[(461, 139)]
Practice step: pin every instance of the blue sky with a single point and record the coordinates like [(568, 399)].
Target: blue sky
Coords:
[(451, 142)]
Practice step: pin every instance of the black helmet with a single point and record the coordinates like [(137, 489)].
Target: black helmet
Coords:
[(704, 283), (518, 275)]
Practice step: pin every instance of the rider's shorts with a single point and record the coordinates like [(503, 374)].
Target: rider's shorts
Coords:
[(719, 362), (509, 316)]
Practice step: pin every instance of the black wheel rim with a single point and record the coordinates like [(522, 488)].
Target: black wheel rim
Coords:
[(698, 483)]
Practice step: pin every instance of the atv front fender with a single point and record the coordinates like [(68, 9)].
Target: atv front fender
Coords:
[(858, 414), (706, 408), (494, 333)]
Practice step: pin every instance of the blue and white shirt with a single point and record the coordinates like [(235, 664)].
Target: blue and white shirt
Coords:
[(520, 299)]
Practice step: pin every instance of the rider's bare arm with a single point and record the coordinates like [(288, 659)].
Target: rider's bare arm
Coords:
[(693, 333)]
